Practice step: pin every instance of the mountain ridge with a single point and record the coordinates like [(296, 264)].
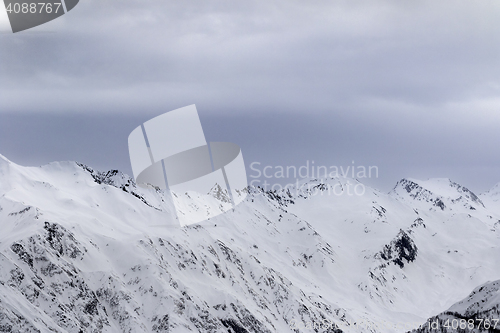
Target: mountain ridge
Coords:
[(88, 250)]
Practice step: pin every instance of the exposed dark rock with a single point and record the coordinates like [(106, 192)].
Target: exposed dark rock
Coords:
[(400, 250)]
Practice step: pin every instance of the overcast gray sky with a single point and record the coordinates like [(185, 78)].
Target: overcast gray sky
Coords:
[(410, 86)]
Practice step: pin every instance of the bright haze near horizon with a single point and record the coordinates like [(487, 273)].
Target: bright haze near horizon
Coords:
[(412, 87)]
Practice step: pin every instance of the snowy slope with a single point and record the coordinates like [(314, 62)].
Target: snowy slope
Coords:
[(491, 200), (479, 312), (82, 250)]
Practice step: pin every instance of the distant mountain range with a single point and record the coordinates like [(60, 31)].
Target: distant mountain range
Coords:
[(89, 251)]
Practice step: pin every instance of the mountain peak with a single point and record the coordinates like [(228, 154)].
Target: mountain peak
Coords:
[(219, 193), (494, 192), (440, 192)]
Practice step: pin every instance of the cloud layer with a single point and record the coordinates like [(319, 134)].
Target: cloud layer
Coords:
[(414, 84)]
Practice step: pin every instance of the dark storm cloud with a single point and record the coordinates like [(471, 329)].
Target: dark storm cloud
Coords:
[(410, 86)]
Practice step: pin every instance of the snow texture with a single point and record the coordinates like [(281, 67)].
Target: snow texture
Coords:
[(89, 251)]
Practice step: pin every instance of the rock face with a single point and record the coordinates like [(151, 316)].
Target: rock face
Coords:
[(88, 251), (400, 250)]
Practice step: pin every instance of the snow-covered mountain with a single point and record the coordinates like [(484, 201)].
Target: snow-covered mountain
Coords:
[(86, 251), (479, 312), (441, 193)]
